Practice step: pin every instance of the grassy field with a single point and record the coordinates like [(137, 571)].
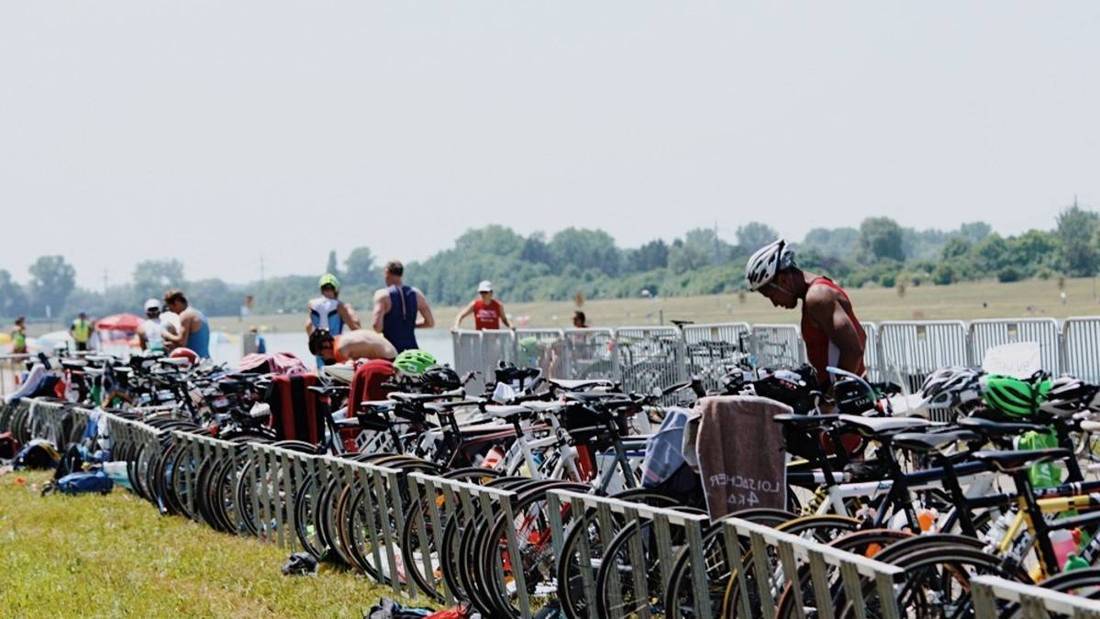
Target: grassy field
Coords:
[(113, 556), (967, 301)]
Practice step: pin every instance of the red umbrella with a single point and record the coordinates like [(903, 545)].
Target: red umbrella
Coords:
[(119, 322)]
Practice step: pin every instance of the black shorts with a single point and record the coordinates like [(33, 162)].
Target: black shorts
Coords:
[(82, 345)]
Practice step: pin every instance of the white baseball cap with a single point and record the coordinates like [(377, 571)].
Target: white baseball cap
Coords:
[(485, 286), (152, 304)]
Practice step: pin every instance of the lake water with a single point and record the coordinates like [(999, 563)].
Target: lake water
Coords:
[(435, 341)]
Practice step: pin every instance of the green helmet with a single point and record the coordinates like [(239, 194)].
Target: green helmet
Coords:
[(1017, 397), (414, 362), (328, 279)]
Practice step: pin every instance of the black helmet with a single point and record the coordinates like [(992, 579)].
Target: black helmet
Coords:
[(441, 378)]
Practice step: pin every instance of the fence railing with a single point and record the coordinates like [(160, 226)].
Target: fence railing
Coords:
[(645, 357), (676, 544)]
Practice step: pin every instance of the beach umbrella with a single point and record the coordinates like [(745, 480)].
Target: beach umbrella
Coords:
[(119, 322)]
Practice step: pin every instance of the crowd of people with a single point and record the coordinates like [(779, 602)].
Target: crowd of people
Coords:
[(829, 326)]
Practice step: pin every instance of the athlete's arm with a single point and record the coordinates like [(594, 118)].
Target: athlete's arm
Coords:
[(504, 317), (309, 321), (828, 314), (380, 298), (348, 315), (464, 313), (427, 321), (187, 319)]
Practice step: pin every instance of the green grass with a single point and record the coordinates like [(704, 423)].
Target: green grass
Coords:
[(1032, 298), (114, 556)]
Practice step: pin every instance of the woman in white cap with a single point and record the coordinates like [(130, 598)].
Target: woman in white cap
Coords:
[(488, 312)]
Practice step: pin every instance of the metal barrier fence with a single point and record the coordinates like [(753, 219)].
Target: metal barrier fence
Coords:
[(1081, 348), (643, 357), (590, 354), (986, 334), (1032, 602), (777, 345), (674, 544), (912, 350), (713, 349), (650, 358)]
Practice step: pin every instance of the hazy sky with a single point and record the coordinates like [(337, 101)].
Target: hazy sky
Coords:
[(217, 132)]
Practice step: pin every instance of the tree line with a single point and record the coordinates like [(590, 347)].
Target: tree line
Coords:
[(573, 261)]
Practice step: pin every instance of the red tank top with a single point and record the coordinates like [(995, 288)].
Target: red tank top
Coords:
[(821, 351), (486, 315)]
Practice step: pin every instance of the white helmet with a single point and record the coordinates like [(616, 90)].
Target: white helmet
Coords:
[(767, 262), (951, 387)]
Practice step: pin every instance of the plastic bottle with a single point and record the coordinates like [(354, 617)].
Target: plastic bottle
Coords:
[(1064, 545)]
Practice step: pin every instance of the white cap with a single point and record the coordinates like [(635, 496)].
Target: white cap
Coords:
[(152, 304), (485, 286)]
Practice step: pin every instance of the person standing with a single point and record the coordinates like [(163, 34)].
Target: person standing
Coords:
[(830, 328), (396, 308), (488, 312), (81, 330), (327, 312), (151, 329), (580, 321), (194, 331), (19, 336)]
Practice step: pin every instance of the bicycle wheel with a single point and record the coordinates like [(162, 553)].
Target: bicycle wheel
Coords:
[(936, 583), (866, 543), (586, 533), (418, 541), (493, 568), (724, 585)]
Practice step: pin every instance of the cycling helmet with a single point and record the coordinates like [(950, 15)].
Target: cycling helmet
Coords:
[(1017, 397), (950, 387), (1067, 396), (328, 279), (442, 378), (767, 262), (318, 339), (185, 353), (414, 362)]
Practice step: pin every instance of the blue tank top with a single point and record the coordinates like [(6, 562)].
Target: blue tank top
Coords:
[(399, 324), (199, 341)]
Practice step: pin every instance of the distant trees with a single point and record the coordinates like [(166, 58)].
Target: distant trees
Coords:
[(360, 267), (586, 261), (153, 277), (52, 279), (1076, 230)]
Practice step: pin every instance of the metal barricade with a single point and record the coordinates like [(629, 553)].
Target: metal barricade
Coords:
[(715, 349), (992, 595), (650, 358), (910, 350), (467, 349), (1081, 348), (779, 558), (872, 354), (438, 501), (670, 532), (589, 354), (777, 345), (986, 334), (543, 349), (497, 346)]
